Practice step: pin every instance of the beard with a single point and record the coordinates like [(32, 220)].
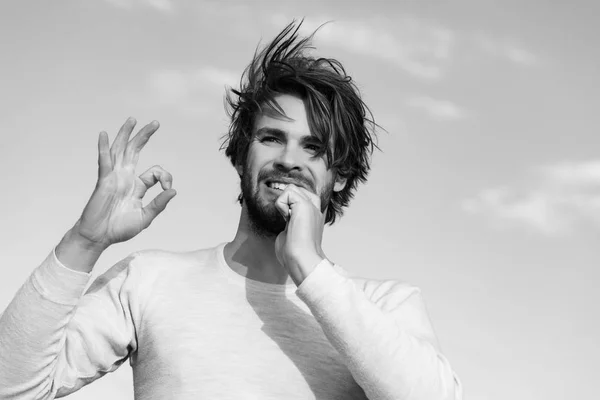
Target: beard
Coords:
[(264, 218)]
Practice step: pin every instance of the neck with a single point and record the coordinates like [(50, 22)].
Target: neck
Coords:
[(253, 256)]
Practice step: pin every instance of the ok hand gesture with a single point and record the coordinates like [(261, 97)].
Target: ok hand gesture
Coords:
[(114, 212)]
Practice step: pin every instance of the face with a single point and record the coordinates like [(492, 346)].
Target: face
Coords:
[(282, 150)]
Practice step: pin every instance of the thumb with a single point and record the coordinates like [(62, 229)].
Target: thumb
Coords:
[(156, 206)]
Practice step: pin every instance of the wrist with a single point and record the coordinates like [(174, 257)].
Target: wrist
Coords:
[(308, 260), (78, 253), (75, 237), (303, 265)]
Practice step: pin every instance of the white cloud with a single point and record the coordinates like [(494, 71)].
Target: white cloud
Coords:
[(558, 199), (160, 5), (191, 91), (420, 48), (174, 85), (507, 49), (571, 173), (438, 109)]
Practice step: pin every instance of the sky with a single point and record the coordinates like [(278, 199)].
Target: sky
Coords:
[(485, 194)]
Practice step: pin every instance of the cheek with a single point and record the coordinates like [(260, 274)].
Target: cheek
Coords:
[(257, 157), (323, 175), (251, 172), (260, 159)]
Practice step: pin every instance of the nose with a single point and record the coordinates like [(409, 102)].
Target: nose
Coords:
[(288, 159)]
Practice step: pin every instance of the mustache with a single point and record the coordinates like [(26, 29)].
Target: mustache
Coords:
[(295, 178)]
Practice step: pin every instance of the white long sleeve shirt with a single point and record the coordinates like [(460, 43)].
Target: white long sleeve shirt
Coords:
[(192, 328)]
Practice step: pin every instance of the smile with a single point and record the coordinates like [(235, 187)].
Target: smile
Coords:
[(277, 185)]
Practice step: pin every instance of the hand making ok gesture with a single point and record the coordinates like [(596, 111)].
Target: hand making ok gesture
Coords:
[(114, 212)]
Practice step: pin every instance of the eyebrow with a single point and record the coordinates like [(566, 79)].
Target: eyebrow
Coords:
[(281, 134)]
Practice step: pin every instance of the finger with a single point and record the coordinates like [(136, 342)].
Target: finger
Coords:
[(288, 199), (315, 199), (104, 161), (156, 206), (282, 205), (120, 143), (151, 176), (138, 142)]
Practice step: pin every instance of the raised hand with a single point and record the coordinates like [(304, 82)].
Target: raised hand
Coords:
[(298, 247), (115, 212)]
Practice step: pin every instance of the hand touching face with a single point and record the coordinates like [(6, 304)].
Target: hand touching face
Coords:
[(303, 232)]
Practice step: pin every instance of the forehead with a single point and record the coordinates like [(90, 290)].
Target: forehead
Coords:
[(294, 121)]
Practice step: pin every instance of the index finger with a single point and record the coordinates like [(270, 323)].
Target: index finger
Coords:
[(139, 141)]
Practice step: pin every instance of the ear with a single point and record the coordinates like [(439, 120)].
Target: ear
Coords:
[(340, 183)]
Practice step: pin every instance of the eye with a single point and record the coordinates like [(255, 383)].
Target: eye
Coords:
[(269, 139), (312, 147)]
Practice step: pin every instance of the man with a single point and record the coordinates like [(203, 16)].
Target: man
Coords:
[(265, 316)]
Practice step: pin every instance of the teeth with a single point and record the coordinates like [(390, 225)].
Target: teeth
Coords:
[(277, 185)]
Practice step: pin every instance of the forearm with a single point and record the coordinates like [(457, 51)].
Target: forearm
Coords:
[(386, 360), (32, 328)]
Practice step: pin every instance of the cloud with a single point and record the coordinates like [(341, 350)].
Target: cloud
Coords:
[(160, 5), (174, 85), (508, 50), (420, 48), (557, 199), (438, 109), (570, 173), (191, 91)]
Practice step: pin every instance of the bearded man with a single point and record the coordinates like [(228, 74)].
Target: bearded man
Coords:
[(265, 316)]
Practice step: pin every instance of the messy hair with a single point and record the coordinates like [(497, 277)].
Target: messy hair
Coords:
[(337, 115)]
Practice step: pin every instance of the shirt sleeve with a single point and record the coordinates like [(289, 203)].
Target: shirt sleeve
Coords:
[(382, 331), (54, 338)]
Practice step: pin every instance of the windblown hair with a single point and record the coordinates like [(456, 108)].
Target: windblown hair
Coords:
[(336, 113)]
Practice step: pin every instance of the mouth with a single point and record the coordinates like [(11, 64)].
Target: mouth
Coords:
[(279, 186)]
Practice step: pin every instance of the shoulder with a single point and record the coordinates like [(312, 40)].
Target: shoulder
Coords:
[(148, 265), (404, 302)]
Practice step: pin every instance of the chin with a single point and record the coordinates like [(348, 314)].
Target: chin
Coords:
[(264, 217)]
